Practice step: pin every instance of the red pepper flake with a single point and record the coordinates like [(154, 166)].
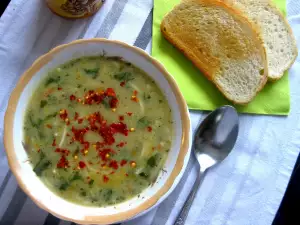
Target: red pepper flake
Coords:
[(72, 97), (63, 114), (54, 142), (135, 92), (80, 120), (113, 103), (81, 165), (126, 174), (59, 88), (129, 113), (113, 164), (103, 164), (112, 172), (121, 144), (121, 118), (68, 134), (49, 126), (105, 179), (149, 129), (39, 150), (123, 162), (110, 92), (122, 84), (62, 151), (102, 153), (63, 162)]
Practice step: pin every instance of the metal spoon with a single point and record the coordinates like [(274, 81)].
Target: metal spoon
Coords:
[(213, 141)]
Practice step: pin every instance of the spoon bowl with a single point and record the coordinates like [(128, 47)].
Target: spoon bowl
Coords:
[(216, 136), (213, 141)]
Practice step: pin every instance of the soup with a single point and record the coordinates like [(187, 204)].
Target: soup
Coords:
[(97, 130)]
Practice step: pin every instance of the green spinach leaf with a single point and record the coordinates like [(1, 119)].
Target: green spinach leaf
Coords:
[(41, 165), (92, 72), (43, 103), (51, 80), (143, 122), (124, 76)]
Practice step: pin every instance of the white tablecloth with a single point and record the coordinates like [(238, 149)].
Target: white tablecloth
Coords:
[(246, 189)]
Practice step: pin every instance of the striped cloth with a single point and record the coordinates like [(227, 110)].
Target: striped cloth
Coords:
[(246, 189)]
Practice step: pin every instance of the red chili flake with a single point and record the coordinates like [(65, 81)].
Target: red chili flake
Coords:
[(149, 129), (49, 126), (113, 103), (80, 121), (103, 164), (126, 174), (122, 84), (123, 162), (135, 92), (76, 116), (120, 128), (63, 114), (121, 118), (72, 97), (105, 179), (153, 148), (81, 165), (54, 142), (68, 134), (59, 88), (112, 172), (88, 177), (102, 153), (39, 150), (129, 113), (62, 151), (121, 144), (110, 92), (113, 164), (63, 162)]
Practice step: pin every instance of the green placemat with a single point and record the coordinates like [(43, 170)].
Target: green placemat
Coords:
[(200, 93)]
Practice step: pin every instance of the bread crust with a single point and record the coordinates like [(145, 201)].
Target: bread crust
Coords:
[(199, 64)]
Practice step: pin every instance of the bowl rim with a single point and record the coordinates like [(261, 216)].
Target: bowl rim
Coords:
[(88, 219)]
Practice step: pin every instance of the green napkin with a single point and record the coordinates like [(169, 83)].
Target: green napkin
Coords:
[(200, 93)]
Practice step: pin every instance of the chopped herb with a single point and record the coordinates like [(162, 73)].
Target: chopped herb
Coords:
[(144, 175), (83, 193), (146, 96), (92, 72), (43, 103), (160, 101), (143, 122), (76, 177), (50, 116), (52, 80), (63, 186), (105, 102), (107, 194), (41, 165), (91, 182), (79, 85), (152, 161), (124, 76)]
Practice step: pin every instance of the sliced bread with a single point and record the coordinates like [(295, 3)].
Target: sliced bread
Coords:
[(277, 35), (223, 44)]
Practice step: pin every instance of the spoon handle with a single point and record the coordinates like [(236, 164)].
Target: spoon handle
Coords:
[(180, 220)]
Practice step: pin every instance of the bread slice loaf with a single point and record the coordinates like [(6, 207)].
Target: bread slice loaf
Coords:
[(222, 44), (280, 44)]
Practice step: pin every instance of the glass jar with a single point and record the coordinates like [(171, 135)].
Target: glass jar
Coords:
[(74, 9)]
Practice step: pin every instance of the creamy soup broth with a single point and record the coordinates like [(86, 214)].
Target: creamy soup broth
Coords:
[(97, 131)]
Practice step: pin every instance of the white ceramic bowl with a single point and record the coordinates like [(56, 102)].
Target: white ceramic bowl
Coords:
[(32, 185)]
